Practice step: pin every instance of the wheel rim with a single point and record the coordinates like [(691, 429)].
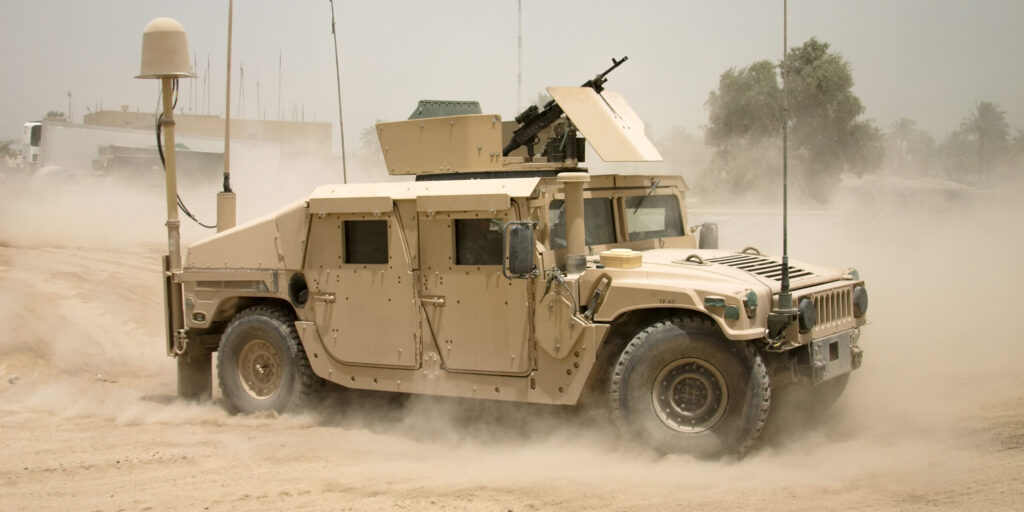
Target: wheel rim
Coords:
[(259, 369), (690, 395)]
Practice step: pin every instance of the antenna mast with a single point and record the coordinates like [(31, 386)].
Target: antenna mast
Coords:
[(226, 199), (341, 122), (227, 104), (785, 298), (783, 316), (519, 69)]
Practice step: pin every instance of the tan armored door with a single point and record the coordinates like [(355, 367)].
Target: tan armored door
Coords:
[(480, 318), (362, 290)]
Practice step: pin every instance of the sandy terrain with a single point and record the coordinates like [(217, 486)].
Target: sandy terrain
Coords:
[(934, 419)]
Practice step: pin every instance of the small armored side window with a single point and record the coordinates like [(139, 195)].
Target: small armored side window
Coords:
[(478, 241), (650, 217), (598, 217), (366, 241)]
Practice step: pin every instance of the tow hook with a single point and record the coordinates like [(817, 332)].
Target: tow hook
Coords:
[(856, 356), (180, 342)]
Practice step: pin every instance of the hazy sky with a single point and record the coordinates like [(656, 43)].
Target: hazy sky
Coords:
[(927, 60)]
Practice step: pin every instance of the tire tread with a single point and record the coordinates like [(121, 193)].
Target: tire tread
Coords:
[(308, 384), (691, 324)]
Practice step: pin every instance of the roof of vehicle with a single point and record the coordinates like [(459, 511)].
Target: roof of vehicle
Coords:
[(429, 195), (456, 195)]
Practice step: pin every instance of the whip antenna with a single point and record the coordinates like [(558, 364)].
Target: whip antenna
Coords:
[(785, 314), (785, 298)]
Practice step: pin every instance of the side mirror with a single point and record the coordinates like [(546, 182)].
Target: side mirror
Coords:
[(708, 236), (518, 249)]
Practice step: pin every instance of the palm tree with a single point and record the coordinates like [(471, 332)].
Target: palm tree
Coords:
[(987, 126), (1017, 150), (901, 131), (908, 148)]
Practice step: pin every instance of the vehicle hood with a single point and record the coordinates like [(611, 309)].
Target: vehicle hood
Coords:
[(737, 266)]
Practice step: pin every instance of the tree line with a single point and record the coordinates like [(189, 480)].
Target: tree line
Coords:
[(828, 135)]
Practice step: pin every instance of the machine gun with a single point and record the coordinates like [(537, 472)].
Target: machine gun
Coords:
[(533, 120)]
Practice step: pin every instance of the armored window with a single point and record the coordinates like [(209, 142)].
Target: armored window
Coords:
[(653, 217), (598, 218), (478, 241), (366, 241)]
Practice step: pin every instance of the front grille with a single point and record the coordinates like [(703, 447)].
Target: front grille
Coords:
[(835, 309), (760, 265)]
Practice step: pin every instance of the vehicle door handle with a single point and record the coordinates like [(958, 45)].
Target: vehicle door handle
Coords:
[(437, 302)]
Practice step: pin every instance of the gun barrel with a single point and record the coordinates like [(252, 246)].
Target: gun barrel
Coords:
[(597, 83), (533, 120)]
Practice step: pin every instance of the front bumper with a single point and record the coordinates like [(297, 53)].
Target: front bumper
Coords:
[(832, 356)]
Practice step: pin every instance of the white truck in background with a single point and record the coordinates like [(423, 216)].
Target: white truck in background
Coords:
[(31, 134)]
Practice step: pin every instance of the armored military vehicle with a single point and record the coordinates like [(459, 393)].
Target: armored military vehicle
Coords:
[(504, 274)]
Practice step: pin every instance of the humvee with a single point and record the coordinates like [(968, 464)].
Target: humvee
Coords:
[(506, 275)]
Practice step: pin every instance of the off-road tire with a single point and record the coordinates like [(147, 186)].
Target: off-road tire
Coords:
[(261, 364), (688, 359)]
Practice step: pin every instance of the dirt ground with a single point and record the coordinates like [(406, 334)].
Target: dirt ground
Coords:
[(88, 421)]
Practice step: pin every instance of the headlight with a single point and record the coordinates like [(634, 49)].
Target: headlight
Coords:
[(808, 314), (860, 301)]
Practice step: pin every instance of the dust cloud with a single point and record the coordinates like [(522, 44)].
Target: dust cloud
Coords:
[(932, 419)]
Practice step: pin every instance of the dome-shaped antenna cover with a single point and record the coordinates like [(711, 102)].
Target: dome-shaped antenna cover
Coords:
[(165, 50)]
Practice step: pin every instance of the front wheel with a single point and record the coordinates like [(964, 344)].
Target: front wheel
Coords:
[(683, 388), (261, 364)]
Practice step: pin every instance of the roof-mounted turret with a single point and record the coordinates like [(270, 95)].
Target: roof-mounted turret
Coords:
[(447, 137), (445, 108)]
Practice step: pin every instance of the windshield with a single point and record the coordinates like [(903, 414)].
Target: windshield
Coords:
[(653, 217)]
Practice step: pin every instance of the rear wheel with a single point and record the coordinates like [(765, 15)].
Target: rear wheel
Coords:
[(682, 387), (261, 364)]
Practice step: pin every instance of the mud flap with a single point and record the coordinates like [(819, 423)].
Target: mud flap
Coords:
[(169, 304), (195, 363)]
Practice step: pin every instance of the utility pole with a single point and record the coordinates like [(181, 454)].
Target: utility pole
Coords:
[(206, 87), (241, 90), (280, 57), (192, 84)]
